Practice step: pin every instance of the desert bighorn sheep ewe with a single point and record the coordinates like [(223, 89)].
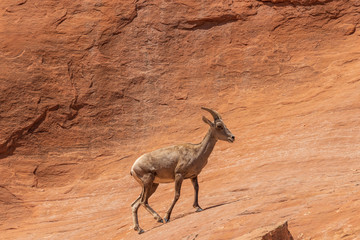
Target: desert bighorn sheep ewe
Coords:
[(175, 163)]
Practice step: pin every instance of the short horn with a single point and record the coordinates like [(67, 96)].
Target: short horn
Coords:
[(215, 115)]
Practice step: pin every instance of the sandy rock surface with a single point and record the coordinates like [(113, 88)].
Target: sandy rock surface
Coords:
[(86, 87)]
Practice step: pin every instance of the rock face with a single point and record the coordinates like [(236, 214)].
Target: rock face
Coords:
[(274, 232), (279, 233), (86, 87)]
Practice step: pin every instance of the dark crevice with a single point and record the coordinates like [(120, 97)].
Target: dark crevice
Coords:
[(294, 3), (60, 20), (22, 3), (108, 34), (208, 23), (36, 168), (13, 198), (75, 105), (9, 146)]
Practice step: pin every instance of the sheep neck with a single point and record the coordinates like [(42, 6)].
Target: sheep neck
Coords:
[(206, 146)]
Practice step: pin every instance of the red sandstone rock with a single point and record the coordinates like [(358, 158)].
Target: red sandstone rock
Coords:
[(281, 232), (276, 232), (301, 2), (87, 87)]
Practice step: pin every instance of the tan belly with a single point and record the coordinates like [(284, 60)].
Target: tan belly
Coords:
[(163, 180)]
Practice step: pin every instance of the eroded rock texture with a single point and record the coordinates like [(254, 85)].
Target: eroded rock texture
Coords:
[(272, 232), (88, 86)]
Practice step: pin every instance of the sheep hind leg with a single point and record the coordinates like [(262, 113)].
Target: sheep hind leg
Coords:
[(150, 188), (138, 199)]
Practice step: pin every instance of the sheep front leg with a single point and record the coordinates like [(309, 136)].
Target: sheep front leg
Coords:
[(194, 181), (178, 181)]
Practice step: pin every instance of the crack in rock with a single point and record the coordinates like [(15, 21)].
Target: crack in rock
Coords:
[(296, 2), (8, 147), (7, 197), (208, 23)]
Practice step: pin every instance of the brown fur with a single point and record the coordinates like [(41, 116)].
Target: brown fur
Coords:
[(174, 164)]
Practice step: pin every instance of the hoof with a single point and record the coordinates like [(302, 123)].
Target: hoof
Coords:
[(160, 220), (139, 230), (199, 209), (166, 220)]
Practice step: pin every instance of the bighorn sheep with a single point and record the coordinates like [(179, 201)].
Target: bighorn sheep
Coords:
[(175, 163)]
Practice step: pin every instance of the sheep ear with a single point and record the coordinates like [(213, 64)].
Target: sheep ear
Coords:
[(207, 121)]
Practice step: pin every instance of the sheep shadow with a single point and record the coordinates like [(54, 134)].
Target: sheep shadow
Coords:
[(205, 209)]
